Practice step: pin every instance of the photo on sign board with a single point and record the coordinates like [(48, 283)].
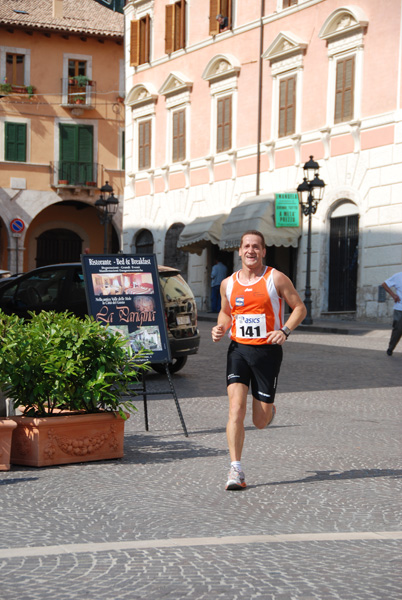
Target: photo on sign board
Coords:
[(121, 330), (148, 337)]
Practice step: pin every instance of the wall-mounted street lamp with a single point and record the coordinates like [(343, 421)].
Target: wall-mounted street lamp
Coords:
[(310, 193), (106, 205)]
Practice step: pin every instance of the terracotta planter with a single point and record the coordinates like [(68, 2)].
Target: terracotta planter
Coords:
[(64, 439), (63, 181), (19, 89), (6, 431)]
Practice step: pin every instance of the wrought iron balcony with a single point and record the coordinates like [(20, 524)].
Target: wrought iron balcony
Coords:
[(78, 93), (74, 174)]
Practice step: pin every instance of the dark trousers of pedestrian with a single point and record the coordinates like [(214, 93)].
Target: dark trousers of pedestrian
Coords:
[(396, 330), (215, 298)]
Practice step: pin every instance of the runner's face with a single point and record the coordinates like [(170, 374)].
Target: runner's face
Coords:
[(251, 251)]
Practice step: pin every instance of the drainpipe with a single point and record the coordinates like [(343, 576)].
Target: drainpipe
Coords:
[(259, 110)]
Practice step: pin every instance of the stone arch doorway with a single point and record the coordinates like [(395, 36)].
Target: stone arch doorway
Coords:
[(174, 256), (58, 246), (343, 258)]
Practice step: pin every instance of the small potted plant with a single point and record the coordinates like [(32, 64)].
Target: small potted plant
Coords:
[(30, 91), (79, 100), (67, 376), (5, 89), (82, 80)]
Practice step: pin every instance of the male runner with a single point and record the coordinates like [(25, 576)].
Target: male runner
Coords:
[(253, 307)]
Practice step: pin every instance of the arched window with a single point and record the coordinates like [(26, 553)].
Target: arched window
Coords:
[(144, 242), (174, 256)]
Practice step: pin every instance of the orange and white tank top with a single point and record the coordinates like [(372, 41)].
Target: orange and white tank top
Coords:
[(256, 309)]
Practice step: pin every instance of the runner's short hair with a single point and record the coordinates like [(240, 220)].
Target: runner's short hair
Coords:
[(253, 232)]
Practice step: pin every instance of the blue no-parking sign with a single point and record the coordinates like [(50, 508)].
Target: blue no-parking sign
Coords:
[(17, 225)]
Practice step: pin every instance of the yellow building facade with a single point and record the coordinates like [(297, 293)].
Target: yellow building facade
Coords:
[(61, 129)]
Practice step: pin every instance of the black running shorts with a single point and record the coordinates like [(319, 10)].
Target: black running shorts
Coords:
[(255, 365)]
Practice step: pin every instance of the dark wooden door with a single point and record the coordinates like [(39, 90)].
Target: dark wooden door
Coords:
[(343, 254)]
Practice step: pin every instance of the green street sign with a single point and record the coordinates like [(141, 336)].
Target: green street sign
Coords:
[(287, 210)]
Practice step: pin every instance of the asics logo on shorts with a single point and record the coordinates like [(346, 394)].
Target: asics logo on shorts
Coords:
[(232, 375), (262, 394)]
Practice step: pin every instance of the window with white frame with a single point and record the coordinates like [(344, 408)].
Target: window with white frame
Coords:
[(144, 143), (140, 41), (175, 26), (15, 135), (177, 91), (142, 100), (77, 78), (15, 65), (286, 58), (179, 135), (287, 106), (344, 32), (222, 73), (224, 123), (344, 89)]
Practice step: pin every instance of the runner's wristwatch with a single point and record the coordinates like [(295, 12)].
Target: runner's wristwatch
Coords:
[(286, 331)]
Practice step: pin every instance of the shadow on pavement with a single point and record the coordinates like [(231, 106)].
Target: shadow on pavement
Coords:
[(334, 476), (152, 449), (17, 480)]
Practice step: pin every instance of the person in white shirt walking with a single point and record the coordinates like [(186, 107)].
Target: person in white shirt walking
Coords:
[(395, 282)]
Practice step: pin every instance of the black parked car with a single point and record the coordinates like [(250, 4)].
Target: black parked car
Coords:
[(61, 287)]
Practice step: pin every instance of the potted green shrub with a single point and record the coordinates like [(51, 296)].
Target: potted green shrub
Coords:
[(61, 370), (79, 100), (82, 80), (5, 89), (31, 91)]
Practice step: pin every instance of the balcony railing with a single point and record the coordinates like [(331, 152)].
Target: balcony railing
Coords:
[(74, 174), (75, 94)]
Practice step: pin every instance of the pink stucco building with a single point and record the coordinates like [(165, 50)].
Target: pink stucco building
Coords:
[(221, 117)]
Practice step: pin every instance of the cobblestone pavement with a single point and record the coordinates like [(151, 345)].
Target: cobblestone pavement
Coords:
[(320, 519)]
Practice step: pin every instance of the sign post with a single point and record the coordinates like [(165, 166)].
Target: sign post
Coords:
[(17, 226)]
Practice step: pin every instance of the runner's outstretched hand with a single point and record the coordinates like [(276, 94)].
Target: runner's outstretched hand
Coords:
[(217, 333)]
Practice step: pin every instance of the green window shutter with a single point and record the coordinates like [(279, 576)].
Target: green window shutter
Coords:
[(67, 151), (76, 153), (85, 153), (123, 150), (16, 142), (67, 142)]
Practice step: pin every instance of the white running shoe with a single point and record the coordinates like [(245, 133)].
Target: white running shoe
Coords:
[(236, 480)]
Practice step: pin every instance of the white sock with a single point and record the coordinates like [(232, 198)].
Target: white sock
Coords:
[(236, 464)]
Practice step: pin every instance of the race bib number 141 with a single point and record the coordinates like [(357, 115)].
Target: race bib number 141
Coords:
[(251, 326)]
